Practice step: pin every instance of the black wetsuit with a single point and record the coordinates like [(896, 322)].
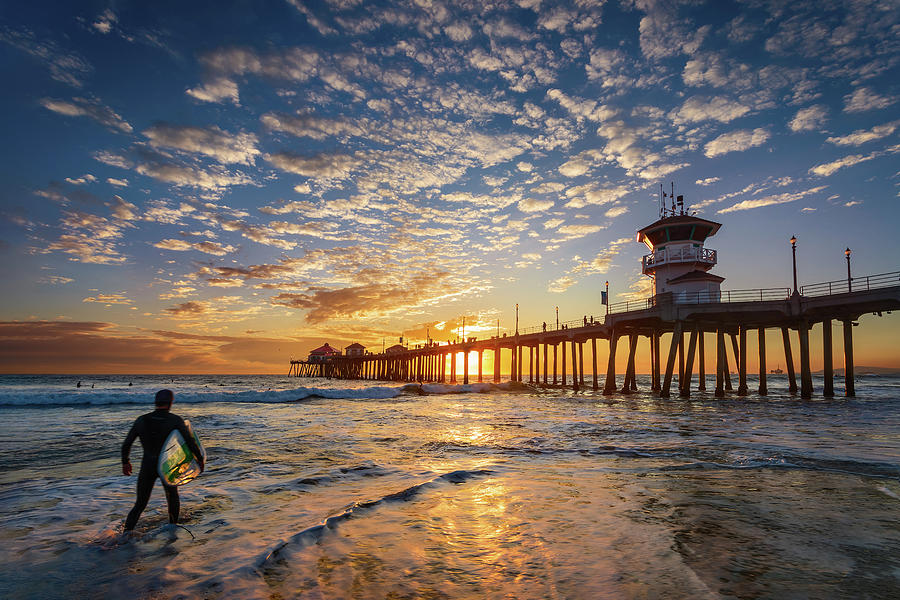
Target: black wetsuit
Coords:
[(153, 429)]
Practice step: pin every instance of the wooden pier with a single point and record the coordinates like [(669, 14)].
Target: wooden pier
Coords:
[(728, 320)]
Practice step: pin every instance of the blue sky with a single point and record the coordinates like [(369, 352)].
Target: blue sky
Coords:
[(224, 184)]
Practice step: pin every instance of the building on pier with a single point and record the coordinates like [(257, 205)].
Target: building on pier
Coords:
[(355, 349), (678, 262), (323, 353)]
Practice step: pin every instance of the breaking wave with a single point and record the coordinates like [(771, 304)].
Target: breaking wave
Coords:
[(198, 395)]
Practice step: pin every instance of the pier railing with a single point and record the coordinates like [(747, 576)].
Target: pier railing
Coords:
[(855, 284), (703, 297), (827, 288)]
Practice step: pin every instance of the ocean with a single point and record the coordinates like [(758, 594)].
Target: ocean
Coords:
[(327, 489)]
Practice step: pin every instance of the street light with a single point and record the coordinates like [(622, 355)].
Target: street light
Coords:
[(794, 253), (849, 279), (557, 317), (517, 318), (607, 298)]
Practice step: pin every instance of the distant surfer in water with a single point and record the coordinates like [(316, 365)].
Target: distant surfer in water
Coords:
[(153, 429)]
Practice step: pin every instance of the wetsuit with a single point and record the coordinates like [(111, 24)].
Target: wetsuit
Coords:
[(153, 429)]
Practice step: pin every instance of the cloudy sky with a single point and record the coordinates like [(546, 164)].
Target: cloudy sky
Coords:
[(218, 187)]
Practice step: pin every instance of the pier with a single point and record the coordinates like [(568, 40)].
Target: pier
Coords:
[(688, 307), (688, 325)]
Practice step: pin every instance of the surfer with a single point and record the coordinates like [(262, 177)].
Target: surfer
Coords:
[(153, 429)]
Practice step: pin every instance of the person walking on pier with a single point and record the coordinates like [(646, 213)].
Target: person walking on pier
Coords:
[(153, 429)]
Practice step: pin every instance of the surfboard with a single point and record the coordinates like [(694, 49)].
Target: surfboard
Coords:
[(177, 464)]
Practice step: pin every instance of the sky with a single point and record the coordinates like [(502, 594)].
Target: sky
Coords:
[(220, 187)]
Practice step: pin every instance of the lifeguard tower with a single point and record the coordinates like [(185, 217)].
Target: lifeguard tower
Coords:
[(678, 262)]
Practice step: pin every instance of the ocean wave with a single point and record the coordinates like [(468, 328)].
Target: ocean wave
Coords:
[(313, 534), (95, 397), (879, 470)]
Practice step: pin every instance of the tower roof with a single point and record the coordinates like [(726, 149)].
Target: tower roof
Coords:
[(325, 350), (677, 228), (696, 276)]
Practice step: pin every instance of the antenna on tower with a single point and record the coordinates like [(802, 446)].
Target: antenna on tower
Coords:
[(673, 198), (662, 203)]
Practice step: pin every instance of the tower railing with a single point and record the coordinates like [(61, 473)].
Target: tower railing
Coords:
[(683, 254)]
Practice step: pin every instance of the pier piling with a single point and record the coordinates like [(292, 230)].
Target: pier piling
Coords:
[(763, 388), (609, 386), (742, 363), (850, 388), (827, 360), (685, 391), (670, 362), (789, 361), (806, 388)]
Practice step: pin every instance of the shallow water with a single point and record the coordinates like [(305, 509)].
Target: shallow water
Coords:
[(386, 491)]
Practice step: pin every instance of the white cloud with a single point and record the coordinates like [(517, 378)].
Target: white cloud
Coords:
[(771, 200), (212, 141), (216, 90), (576, 231), (117, 182), (582, 108), (616, 211), (707, 181), (65, 66), (598, 265), (105, 21), (809, 119), (458, 32), (122, 210), (574, 167), (848, 161), (311, 126), (736, 141), (864, 99), (86, 178), (718, 108), (553, 223), (592, 194), (109, 299), (861, 136), (832, 167), (207, 247), (83, 107), (215, 178), (319, 165), (530, 205)]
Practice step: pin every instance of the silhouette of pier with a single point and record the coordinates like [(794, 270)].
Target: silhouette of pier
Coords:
[(734, 316)]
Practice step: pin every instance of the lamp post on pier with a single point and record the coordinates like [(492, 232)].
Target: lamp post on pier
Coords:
[(849, 279), (794, 254), (517, 318), (557, 317), (607, 298)]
